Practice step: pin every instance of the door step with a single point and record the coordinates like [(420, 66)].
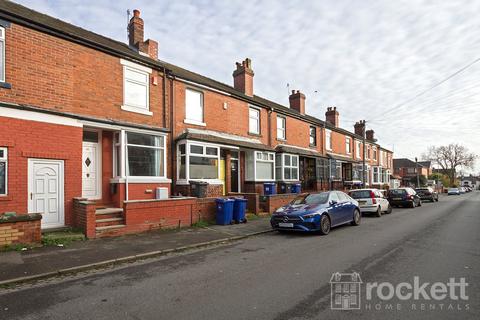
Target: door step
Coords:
[(109, 222), (101, 211), (109, 228)]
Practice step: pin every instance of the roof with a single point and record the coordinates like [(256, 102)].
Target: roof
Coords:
[(407, 163), (338, 277), (340, 157), (24, 16), (222, 138), (297, 150)]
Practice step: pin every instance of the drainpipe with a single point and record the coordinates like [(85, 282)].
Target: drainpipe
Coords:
[(164, 91), (270, 110), (172, 130)]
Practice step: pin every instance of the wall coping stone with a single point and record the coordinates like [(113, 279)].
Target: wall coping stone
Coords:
[(21, 218)]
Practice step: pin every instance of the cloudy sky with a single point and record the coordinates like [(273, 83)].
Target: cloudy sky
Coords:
[(364, 57)]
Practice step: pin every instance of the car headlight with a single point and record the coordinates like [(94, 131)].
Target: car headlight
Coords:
[(279, 210), (310, 215)]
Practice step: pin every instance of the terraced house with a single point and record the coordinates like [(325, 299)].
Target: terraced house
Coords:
[(85, 120)]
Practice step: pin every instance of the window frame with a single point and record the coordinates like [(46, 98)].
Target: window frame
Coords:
[(328, 140), (282, 129), (4, 159), (282, 166), (314, 144), (120, 174), (187, 156), (376, 171), (357, 149), (348, 145), (250, 118), (202, 105), (270, 159), (3, 62), (133, 67), (374, 154)]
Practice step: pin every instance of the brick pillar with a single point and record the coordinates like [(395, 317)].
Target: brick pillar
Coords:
[(228, 172)]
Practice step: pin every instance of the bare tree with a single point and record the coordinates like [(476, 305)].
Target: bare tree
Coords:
[(451, 157)]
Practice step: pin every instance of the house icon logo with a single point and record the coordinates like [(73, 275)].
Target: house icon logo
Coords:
[(345, 291)]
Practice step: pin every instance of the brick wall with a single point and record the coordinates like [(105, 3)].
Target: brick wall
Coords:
[(84, 216), (73, 78), (21, 229), (273, 202), (31, 139)]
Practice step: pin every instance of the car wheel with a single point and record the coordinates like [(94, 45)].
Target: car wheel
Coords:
[(413, 204), (389, 209), (379, 212), (356, 217), (325, 225)]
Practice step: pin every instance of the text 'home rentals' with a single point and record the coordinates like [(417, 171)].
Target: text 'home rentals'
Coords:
[(91, 124)]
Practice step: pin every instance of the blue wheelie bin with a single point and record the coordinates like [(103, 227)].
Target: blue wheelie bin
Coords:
[(296, 188), (239, 209), (224, 211), (269, 188)]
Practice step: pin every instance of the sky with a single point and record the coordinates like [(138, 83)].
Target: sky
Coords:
[(369, 58)]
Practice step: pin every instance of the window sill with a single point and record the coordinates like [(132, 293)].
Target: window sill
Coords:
[(254, 134), (282, 140), (136, 110), (196, 123), (313, 146), (5, 85), (140, 180), (186, 182)]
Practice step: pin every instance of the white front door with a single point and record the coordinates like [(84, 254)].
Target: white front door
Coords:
[(46, 191), (91, 171)]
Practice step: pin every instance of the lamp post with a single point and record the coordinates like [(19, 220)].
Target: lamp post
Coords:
[(416, 169)]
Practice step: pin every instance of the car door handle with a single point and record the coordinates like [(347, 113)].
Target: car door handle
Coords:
[(31, 195)]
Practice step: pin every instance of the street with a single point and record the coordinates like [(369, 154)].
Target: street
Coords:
[(281, 276)]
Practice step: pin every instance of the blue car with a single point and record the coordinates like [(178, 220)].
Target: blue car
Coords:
[(317, 212)]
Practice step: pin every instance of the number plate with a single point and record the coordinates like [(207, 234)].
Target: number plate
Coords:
[(285, 225), (362, 202)]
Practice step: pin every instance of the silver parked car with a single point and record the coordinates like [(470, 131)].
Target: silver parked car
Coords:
[(371, 201)]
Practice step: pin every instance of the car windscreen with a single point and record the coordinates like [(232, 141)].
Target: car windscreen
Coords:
[(397, 192), (314, 198), (360, 194)]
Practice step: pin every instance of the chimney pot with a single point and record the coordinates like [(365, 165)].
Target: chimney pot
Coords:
[(332, 116), (135, 36), (297, 101)]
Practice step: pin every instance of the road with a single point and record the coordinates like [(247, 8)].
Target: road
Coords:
[(278, 276)]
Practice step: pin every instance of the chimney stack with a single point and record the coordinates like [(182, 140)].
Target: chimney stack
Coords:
[(359, 127), (370, 134), (297, 101), (331, 116), (135, 37), (243, 77)]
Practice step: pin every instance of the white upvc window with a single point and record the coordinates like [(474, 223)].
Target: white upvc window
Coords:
[(328, 140), (3, 171), (139, 156), (286, 167), (198, 161), (357, 149), (136, 87), (194, 112), (381, 157), (260, 166), (368, 152), (348, 145), (281, 128), (254, 120), (2, 54), (374, 153), (376, 175), (313, 136)]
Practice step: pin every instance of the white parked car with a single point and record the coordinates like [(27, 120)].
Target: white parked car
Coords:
[(371, 201)]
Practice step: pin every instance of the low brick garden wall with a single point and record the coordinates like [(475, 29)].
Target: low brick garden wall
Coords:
[(271, 203), (22, 229), (253, 200), (84, 216)]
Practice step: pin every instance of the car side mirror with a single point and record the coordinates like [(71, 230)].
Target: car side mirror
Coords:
[(333, 202)]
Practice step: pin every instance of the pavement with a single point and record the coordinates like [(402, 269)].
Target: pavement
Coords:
[(282, 276), (21, 266)]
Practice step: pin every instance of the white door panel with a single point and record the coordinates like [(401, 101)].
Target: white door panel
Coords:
[(90, 171), (45, 191)]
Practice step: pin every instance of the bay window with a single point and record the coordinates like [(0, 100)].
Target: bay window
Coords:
[(254, 121), (281, 128), (323, 169), (376, 175), (260, 166), (139, 156), (335, 170), (287, 167), (3, 171), (198, 161), (136, 87)]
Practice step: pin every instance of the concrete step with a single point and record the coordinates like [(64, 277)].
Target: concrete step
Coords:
[(101, 211), (109, 231), (108, 216), (109, 228), (109, 222)]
